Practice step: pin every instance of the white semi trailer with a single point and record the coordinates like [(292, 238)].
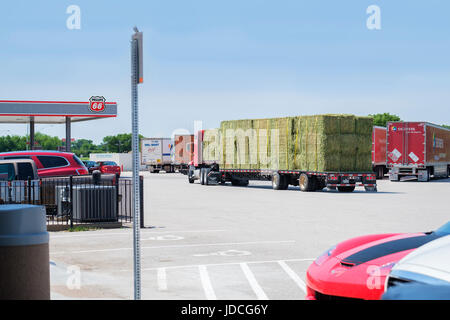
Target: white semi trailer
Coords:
[(156, 154)]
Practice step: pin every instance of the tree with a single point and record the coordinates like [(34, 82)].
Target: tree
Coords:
[(47, 142), (84, 147), (120, 143), (13, 143), (446, 126), (381, 119)]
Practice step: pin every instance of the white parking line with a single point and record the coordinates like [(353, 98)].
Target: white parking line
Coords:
[(206, 283), (220, 264), (253, 283), (143, 231), (162, 279), (174, 246), (293, 275)]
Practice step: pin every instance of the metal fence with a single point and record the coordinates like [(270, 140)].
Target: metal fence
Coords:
[(76, 200)]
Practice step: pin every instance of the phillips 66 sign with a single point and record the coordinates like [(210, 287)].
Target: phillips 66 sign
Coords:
[(97, 104)]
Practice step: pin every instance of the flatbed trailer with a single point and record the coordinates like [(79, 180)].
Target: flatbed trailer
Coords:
[(308, 181), (208, 172)]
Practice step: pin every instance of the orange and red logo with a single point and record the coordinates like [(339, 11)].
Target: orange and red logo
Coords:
[(97, 104)]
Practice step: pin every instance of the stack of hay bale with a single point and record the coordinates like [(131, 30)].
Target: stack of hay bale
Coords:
[(211, 146), (323, 143)]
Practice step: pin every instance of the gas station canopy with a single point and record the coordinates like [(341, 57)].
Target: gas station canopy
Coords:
[(32, 112), (52, 111)]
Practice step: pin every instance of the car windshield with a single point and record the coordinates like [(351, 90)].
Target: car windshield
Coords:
[(444, 229), (90, 164)]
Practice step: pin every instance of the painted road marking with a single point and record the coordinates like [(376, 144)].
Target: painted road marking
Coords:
[(206, 283), (169, 237), (128, 233), (220, 264), (175, 246), (294, 276), (253, 283), (227, 253), (162, 279)]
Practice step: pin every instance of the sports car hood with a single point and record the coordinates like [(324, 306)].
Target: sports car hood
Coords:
[(384, 247)]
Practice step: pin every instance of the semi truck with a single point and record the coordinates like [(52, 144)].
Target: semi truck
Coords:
[(379, 162), (417, 149), (156, 154), (208, 171), (184, 146)]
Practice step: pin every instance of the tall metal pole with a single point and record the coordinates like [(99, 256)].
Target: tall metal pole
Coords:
[(135, 147)]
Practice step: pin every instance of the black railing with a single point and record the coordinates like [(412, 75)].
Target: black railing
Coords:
[(76, 199)]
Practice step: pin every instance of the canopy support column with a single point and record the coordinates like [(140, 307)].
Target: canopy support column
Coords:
[(68, 138), (31, 133)]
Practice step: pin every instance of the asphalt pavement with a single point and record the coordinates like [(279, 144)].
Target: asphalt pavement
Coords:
[(226, 242)]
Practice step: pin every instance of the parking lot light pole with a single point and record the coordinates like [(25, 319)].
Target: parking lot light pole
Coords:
[(136, 78)]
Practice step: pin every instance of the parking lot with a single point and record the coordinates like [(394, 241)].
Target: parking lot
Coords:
[(225, 242)]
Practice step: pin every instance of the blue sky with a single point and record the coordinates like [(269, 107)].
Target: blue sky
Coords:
[(219, 60)]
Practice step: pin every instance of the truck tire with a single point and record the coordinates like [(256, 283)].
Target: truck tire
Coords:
[(279, 182), (346, 189), (155, 171), (202, 176), (205, 177), (191, 180), (306, 183)]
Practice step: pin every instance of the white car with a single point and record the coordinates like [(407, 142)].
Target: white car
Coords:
[(428, 265)]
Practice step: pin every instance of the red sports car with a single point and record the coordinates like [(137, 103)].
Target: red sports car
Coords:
[(357, 268)]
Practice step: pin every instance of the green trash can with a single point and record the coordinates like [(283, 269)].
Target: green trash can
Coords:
[(24, 253)]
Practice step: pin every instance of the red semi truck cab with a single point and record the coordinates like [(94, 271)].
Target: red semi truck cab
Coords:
[(419, 149), (379, 151)]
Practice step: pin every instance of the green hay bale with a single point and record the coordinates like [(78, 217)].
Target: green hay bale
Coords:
[(211, 145), (364, 126)]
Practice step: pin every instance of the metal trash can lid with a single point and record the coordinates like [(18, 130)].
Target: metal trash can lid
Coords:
[(22, 225)]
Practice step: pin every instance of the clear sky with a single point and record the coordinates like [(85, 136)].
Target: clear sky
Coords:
[(217, 60)]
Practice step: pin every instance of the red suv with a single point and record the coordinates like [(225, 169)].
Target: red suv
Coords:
[(50, 163)]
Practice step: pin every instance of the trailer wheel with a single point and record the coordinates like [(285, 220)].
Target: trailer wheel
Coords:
[(191, 180), (346, 189), (306, 183), (279, 182), (155, 171)]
